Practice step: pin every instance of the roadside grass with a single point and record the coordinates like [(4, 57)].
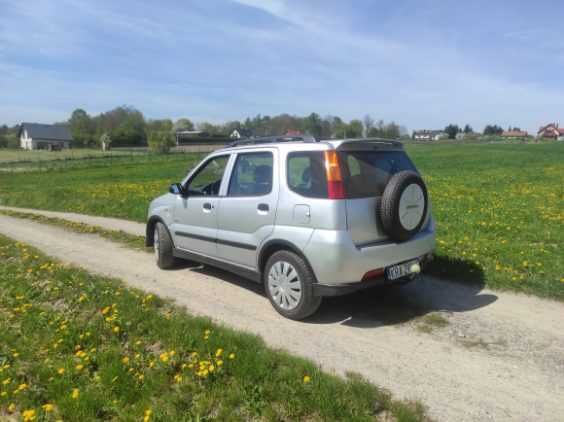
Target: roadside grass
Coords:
[(499, 208), (75, 346)]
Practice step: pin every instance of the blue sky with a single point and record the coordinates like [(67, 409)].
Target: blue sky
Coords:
[(421, 63)]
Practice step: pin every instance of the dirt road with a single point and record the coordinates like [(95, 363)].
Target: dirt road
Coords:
[(488, 356)]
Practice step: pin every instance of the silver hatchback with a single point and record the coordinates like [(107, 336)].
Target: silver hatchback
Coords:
[(307, 219)]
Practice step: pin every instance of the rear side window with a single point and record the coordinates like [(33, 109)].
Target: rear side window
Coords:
[(306, 174), (366, 173)]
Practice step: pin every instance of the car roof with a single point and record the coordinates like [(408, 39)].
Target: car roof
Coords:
[(309, 143)]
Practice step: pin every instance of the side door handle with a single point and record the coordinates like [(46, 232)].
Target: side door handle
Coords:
[(263, 208), (208, 206)]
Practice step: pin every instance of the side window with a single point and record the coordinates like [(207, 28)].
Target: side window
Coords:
[(306, 174), (208, 179), (251, 175)]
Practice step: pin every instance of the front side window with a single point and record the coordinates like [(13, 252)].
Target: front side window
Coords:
[(252, 174), (366, 173), (306, 174), (208, 179)]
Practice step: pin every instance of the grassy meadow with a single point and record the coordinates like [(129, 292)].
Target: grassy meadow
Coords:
[(79, 347), (499, 208)]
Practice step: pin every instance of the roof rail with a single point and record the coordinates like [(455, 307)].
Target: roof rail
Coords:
[(272, 139)]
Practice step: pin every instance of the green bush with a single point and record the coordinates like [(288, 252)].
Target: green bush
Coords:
[(161, 141)]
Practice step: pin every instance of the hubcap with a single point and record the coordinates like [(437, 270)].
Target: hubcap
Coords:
[(284, 285), (156, 245), (411, 206)]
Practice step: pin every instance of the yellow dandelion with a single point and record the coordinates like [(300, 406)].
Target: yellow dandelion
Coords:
[(79, 367), (231, 356), (147, 415), (125, 360), (218, 353), (116, 329), (307, 379), (48, 407), (164, 357), (28, 415), (61, 371), (75, 393), (11, 408)]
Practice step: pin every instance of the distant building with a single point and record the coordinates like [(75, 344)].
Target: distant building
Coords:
[(429, 135), (514, 134), (240, 134), (293, 132), (187, 135), (40, 136), (551, 131)]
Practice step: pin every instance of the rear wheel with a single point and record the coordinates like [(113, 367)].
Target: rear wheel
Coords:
[(289, 285), (163, 248)]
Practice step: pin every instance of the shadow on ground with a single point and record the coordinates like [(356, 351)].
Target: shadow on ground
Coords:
[(383, 305)]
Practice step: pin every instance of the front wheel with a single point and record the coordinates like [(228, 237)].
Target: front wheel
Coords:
[(289, 285), (162, 246)]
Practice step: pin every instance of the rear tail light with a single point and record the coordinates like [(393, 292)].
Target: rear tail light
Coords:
[(373, 274), (335, 185)]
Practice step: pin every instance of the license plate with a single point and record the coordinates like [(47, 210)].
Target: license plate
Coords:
[(400, 270)]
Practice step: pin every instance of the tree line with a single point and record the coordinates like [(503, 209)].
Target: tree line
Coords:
[(126, 126)]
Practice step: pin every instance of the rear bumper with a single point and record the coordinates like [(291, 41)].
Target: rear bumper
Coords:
[(338, 262)]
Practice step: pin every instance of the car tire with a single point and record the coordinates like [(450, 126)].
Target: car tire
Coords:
[(293, 273), (396, 199), (163, 247)]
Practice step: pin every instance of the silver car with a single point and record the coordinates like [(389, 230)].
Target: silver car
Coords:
[(307, 219)]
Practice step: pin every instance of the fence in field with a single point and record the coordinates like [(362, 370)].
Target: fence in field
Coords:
[(23, 161)]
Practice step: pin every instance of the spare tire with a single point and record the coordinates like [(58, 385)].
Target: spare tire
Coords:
[(403, 207)]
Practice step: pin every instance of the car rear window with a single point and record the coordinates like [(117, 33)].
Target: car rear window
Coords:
[(366, 173), (306, 174)]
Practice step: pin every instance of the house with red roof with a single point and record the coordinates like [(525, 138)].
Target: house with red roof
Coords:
[(551, 131)]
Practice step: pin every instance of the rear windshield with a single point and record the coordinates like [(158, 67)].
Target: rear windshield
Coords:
[(366, 173)]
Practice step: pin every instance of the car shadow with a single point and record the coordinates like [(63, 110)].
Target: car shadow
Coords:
[(382, 305), (392, 305)]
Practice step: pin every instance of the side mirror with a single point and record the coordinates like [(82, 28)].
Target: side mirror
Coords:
[(177, 189)]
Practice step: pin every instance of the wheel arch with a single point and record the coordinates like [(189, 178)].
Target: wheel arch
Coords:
[(275, 245), (150, 230)]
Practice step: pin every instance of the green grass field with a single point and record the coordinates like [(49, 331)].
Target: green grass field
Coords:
[(13, 155), (499, 208), (78, 347)]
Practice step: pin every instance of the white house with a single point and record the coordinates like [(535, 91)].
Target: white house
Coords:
[(40, 136), (429, 135), (240, 133)]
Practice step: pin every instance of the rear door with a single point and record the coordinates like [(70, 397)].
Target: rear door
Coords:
[(247, 212), (194, 225), (366, 173)]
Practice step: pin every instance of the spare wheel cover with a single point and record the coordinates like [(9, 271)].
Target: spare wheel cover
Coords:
[(403, 207), (411, 206)]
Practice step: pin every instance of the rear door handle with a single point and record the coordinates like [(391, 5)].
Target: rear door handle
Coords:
[(263, 207), (207, 206)]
